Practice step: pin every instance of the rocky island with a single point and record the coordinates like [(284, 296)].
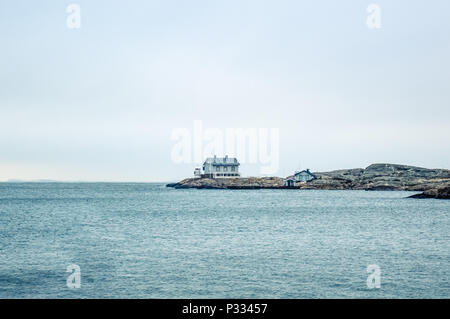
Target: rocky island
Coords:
[(434, 183)]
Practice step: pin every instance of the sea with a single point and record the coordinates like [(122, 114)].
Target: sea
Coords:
[(132, 240)]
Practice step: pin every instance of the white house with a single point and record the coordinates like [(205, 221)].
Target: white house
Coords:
[(221, 167)]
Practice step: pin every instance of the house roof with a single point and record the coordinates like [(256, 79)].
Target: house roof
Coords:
[(307, 172), (222, 161)]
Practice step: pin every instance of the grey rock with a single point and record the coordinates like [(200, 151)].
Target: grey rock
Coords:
[(442, 192)]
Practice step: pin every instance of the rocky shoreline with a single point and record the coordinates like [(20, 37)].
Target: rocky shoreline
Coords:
[(231, 183), (438, 193), (434, 183)]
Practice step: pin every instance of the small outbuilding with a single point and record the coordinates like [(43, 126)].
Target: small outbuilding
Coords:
[(289, 182)]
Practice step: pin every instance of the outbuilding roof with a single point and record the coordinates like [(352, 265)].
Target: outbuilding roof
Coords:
[(307, 172)]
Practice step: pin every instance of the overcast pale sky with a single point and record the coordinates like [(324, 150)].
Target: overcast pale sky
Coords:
[(101, 102)]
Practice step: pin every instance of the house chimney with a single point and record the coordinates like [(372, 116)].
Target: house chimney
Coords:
[(225, 158)]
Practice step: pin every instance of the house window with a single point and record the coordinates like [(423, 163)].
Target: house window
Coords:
[(233, 168)]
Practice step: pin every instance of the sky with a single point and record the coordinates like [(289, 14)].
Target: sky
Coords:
[(101, 102)]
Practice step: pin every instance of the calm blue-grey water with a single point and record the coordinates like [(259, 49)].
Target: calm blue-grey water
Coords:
[(149, 241)]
